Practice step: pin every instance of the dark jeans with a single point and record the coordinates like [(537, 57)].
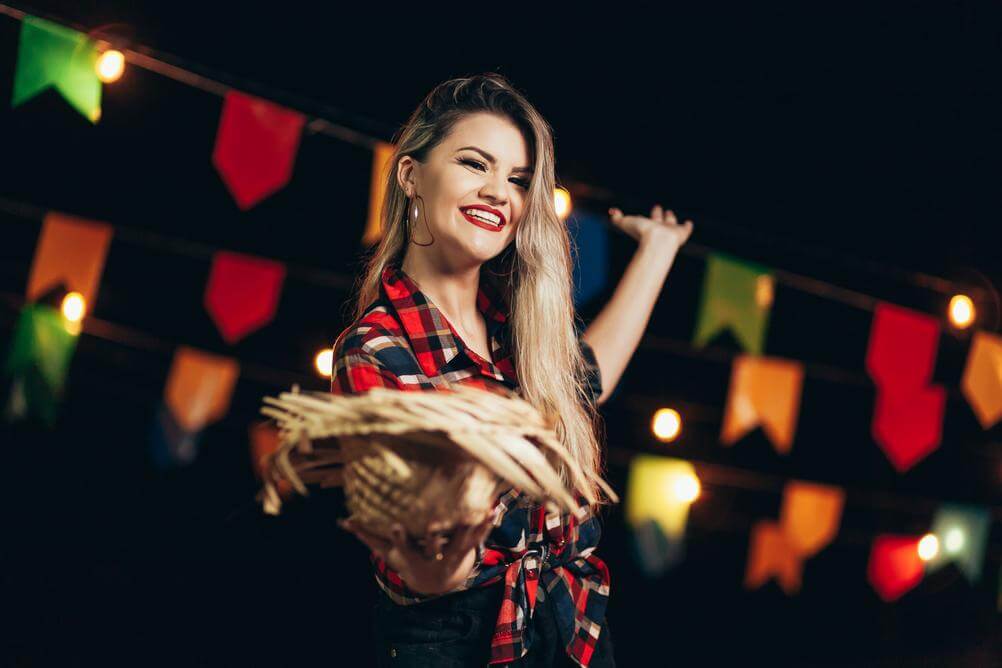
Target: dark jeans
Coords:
[(456, 630)]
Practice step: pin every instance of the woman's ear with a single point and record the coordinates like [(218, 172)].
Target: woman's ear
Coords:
[(406, 176)]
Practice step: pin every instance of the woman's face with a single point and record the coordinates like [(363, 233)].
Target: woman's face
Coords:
[(481, 168)]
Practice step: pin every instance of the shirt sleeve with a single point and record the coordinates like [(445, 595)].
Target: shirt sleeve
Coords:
[(593, 375), (357, 369)]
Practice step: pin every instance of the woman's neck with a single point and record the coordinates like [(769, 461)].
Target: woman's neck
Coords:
[(453, 292)]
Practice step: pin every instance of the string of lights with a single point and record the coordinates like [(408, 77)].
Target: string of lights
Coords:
[(319, 122)]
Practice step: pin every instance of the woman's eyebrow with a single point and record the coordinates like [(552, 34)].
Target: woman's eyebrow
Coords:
[(490, 158)]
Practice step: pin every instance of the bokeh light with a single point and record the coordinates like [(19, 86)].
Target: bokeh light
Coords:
[(110, 65), (562, 202), (928, 547), (667, 424), (962, 311), (324, 362), (74, 307)]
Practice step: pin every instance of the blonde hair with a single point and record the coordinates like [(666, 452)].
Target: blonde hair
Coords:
[(537, 265)]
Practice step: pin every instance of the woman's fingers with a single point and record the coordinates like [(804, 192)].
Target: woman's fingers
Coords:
[(670, 217), (657, 213)]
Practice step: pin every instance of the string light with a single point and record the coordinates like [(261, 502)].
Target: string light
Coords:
[(961, 311), (74, 307), (667, 424), (110, 65), (928, 547), (562, 202), (685, 488), (324, 361)]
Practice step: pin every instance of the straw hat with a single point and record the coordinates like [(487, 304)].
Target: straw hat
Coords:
[(424, 459)]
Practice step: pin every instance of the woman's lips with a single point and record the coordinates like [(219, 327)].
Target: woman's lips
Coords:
[(480, 223)]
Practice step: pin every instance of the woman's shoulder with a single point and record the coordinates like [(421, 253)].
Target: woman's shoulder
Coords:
[(376, 334)]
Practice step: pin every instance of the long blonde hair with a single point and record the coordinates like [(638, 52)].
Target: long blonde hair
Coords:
[(533, 273)]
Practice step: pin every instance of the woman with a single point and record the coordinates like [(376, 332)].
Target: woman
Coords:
[(471, 284)]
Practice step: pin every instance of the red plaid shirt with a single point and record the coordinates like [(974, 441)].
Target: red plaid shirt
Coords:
[(403, 341)]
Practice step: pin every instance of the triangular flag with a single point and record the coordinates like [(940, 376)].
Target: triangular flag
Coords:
[(763, 391), (199, 388), (590, 234), (962, 532), (736, 295), (70, 251), (981, 383), (256, 147), (242, 293), (382, 156), (894, 567), (39, 360), (810, 515), (901, 352), (52, 55), (771, 555), (654, 552), (264, 439), (908, 426)]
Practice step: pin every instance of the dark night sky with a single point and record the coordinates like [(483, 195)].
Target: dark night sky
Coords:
[(842, 143)]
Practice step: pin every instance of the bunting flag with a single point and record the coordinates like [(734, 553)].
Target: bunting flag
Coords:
[(242, 293), (264, 439), (171, 444), (591, 255), (981, 383), (382, 156), (962, 532), (256, 147), (809, 521), (738, 295), (50, 55), (908, 427), (901, 352), (39, 360), (770, 555), (894, 567), (70, 252), (199, 388), (656, 511), (763, 391)]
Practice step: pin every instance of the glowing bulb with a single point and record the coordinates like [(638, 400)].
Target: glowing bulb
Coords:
[(667, 424), (110, 66), (961, 311), (928, 547), (324, 362), (562, 202), (764, 291), (954, 540), (74, 307), (685, 488)]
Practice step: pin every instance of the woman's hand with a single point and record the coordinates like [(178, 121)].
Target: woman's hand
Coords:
[(421, 571), (662, 228)]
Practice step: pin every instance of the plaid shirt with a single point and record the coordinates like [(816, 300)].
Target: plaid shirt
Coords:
[(403, 341)]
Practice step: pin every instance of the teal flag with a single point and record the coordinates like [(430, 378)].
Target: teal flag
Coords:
[(52, 55), (737, 295), (39, 360)]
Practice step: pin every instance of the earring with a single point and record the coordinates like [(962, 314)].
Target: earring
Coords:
[(412, 221)]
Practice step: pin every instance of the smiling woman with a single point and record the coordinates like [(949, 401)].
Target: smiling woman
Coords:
[(471, 284)]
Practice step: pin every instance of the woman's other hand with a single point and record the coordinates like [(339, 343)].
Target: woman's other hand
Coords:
[(661, 228), (420, 570)]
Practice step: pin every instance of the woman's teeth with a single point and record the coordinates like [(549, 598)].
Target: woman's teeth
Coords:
[(483, 216)]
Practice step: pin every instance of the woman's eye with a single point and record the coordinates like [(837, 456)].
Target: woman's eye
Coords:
[(479, 165)]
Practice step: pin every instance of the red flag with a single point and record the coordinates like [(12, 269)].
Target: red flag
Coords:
[(908, 425), (256, 147), (242, 293), (895, 566), (902, 347)]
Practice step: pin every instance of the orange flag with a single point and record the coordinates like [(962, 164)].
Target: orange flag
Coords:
[(809, 520), (199, 387), (70, 251), (763, 391), (382, 156), (981, 383)]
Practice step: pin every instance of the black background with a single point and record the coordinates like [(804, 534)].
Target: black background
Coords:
[(856, 145)]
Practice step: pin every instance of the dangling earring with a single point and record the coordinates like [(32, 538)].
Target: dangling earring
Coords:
[(412, 221)]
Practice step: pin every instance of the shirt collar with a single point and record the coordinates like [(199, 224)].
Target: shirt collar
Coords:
[(421, 319)]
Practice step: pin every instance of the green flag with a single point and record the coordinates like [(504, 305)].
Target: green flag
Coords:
[(52, 55), (39, 361), (736, 294)]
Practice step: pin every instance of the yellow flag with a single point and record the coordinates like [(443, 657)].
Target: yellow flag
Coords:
[(381, 157), (810, 516), (982, 379), (763, 391), (70, 251), (652, 492), (199, 387)]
